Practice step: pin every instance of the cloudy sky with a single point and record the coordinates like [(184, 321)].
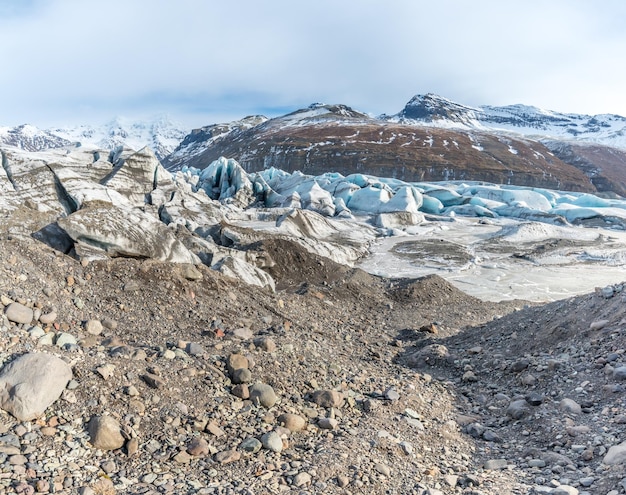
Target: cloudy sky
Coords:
[(206, 61)]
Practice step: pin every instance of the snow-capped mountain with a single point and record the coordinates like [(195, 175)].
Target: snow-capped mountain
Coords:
[(30, 138), (533, 122), (160, 134)]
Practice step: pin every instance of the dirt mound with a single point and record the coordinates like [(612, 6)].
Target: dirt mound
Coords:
[(292, 265)]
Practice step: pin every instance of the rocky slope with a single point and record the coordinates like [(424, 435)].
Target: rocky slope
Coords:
[(334, 137), (150, 344)]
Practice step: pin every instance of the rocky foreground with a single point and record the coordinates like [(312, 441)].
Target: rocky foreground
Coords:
[(170, 378)]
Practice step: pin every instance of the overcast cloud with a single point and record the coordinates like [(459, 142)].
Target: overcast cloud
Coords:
[(204, 61)]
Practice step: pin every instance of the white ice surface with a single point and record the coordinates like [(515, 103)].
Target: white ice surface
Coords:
[(499, 276)]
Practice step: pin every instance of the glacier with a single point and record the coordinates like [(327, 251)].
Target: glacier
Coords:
[(492, 240)]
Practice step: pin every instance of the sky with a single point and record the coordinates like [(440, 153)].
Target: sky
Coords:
[(67, 62)]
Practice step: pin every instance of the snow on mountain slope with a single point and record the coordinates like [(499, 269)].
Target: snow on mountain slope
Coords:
[(532, 122), (161, 135)]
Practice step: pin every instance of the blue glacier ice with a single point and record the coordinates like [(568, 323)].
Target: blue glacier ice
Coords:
[(332, 194)]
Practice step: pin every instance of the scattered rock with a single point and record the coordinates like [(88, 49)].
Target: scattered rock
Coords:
[(105, 433), (263, 394), (328, 398), (19, 313), (31, 383)]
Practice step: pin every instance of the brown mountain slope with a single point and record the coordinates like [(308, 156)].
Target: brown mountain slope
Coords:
[(347, 142)]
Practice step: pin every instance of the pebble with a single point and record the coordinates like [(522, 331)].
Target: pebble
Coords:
[(265, 343), (105, 433), (272, 441), (383, 469), (302, 479), (227, 456), (493, 464), (570, 406), (263, 394), (65, 339), (517, 409), (236, 361), (48, 318), (327, 423), (93, 327), (198, 446), (18, 313), (251, 445), (241, 375), (328, 398), (293, 422), (565, 490)]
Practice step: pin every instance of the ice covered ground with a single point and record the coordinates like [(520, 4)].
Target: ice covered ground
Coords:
[(505, 258), (493, 241)]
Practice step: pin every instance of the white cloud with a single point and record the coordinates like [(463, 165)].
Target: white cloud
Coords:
[(211, 60)]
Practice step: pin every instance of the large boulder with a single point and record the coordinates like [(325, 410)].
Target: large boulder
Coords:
[(31, 383)]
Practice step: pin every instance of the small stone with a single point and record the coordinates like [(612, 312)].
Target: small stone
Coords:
[(451, 479), (198, 447), (263, 394), (265, 343), (64, 339), (565, 490), (106, 370), (109, 324), (241, 375), (132, 446), (390, 394), (342, 480), (236, 361), (243, 333), (17, 460), (598, 324), (132, 391), (169, 354), (251, 445), (535, 399), (108, 467), (194, 349), (493, 464), (48, 318), (517, 409), (537, 463), (328, 398), (214, 429), (302, 479), (105, 433), (383, 469), (153, 381), (570, 406), (327, 423), (272, 441), (619, 373), (183, 457), (293, 422), (18, 313), (520, 365), (241, 391), (227, 456), (93, 327), (616, 454)]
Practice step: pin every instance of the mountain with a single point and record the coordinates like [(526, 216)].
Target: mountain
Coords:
[(323, 138), (160, 134), (609, 130), (30, 138), (430, 139)]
